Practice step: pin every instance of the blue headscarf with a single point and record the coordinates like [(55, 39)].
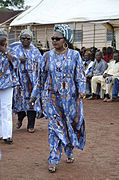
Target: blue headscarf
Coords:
[(65, 30)]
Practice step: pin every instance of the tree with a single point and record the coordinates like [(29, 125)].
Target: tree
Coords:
[(13, 3)]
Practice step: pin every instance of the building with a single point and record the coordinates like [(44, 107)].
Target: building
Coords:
[(85, 34), (6, 17)]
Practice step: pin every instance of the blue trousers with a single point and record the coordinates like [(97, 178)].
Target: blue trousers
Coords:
[(56, 148), (88, 86), (115, 89)]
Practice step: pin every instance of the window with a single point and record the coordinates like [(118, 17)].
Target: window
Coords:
[(78, 35), (109, 35)]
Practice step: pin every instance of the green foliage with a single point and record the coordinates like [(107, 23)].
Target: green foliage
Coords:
[(13, 3), (3, 8)]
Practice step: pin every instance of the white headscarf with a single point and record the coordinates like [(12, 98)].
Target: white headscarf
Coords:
[(26, 31)]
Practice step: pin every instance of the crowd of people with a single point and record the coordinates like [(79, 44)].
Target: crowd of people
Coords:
[(102, 73), (53, 85)]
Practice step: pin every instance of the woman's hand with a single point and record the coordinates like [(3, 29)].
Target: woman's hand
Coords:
[(32, 102), (105, 75)]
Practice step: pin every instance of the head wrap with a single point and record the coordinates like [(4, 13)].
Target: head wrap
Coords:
[(26, 31), (65, 30), (3, 33)]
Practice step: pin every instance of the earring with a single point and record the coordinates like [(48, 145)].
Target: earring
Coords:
[(65, 45)]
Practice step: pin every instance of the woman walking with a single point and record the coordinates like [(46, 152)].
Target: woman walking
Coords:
[(64, 87), (8, 80), (29, 59)]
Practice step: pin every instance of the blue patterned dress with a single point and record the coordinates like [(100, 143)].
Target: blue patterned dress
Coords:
[(22, 94), (8, 77), (64, 79)]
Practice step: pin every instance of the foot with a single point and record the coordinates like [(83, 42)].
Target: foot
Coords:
[(52, 168), (112, 100), (31, 130), (91, 98), (8, 141), (106, 99), (94, 96), (70, 159), (18, 125)]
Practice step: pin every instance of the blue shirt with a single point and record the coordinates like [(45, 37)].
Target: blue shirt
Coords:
[(98, 68)]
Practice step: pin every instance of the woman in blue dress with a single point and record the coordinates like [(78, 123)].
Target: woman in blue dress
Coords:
[(63, 78), (8, 80), (29, 59)]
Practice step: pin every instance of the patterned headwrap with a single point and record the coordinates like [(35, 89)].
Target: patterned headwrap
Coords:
[(26, 31), (65, 30), (3, 33)]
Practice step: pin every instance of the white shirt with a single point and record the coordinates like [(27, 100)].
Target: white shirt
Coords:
[(113, 69)]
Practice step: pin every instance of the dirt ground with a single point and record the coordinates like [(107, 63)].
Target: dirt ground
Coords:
[(26, 158)]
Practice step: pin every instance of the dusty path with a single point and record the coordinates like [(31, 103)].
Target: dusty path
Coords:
[(26, 159)]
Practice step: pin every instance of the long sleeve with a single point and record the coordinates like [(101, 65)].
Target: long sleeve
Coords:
[(37, 90), (99, 68), (103, 67), (80, 75), (109, 67), (44, 68)]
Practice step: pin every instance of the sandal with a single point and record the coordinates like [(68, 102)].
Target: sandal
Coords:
[(31, 130), (70, 159), (52, 168)]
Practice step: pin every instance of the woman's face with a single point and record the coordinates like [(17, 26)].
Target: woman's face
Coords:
[(26, 40), (58, 40)]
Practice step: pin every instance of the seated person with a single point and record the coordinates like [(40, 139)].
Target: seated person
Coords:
[(109, 54), (88, 66), (104, 52), (106, 80), (82, 52), (115, 90), (97, 69), (93, 52)]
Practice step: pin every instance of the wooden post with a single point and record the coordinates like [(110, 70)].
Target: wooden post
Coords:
[(82, 35), (94, 37), (15, 34), (105, 37), (45, 37)]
